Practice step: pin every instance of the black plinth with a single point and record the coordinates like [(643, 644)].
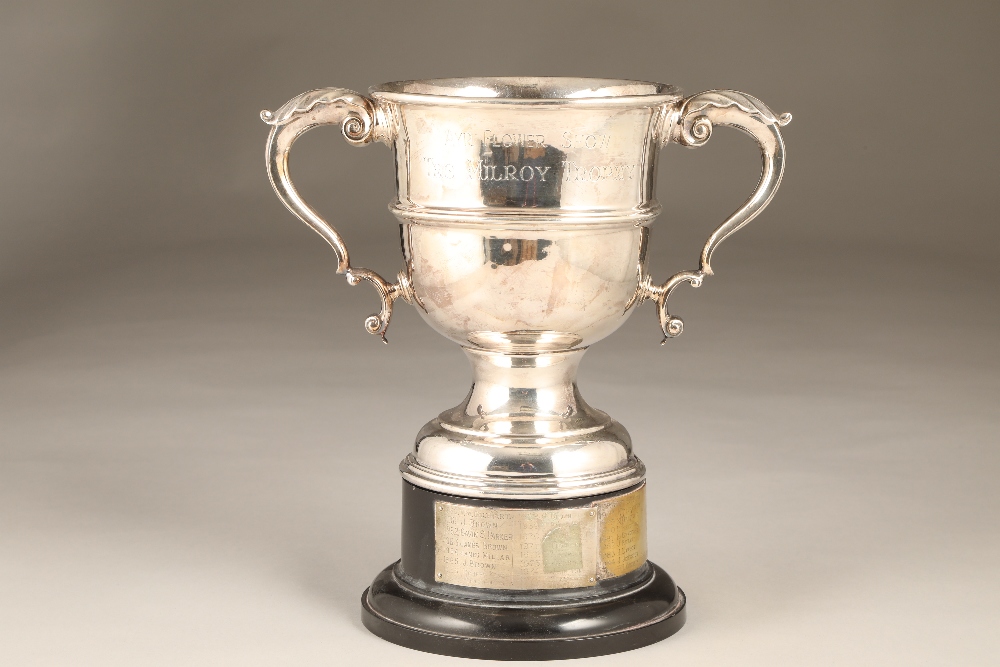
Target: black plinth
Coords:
[(405, 606)]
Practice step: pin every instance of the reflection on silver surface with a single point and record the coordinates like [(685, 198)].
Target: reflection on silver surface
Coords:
[(524, 206), (523, 426)]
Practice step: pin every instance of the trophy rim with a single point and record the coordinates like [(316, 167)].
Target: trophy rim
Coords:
[(547, 90)]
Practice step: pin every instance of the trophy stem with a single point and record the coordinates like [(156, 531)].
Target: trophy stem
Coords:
[(523, 432), (524, 394)]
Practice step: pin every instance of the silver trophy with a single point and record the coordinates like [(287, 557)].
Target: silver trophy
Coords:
[(524, 207)]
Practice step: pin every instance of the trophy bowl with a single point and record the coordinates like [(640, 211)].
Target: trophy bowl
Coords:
[(524, 207)]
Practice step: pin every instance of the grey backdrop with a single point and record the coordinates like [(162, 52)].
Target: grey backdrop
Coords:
[(198, 441)]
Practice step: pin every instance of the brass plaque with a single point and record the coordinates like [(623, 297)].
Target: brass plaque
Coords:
[(623, 533), (525, 549)]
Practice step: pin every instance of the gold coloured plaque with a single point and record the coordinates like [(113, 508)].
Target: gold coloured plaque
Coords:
[(525, 549), (623, 534)]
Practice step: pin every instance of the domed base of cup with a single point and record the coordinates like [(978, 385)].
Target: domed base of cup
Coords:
[(647, 610), (524, 432)]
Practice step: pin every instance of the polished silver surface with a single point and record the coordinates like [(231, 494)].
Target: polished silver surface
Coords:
[(523, 431), (524, 207)]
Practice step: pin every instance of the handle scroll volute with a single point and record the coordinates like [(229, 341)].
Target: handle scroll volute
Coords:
[(692, 126), (357, 117)]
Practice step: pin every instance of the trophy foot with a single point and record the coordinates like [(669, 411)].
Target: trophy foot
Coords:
[(509, 579), (651, 609)]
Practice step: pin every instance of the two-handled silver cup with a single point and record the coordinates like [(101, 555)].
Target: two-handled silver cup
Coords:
[(524, 207)]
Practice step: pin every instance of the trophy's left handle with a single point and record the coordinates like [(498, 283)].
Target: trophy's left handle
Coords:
[(692, 126), (356, 115)]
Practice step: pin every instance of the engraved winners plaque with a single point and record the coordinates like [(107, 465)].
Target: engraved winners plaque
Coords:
[(524, 207), (536, 549)]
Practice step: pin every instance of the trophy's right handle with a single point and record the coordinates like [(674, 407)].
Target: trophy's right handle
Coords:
[(356, 115), (692, 127)]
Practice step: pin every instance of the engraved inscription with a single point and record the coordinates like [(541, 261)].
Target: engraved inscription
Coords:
[(525, 549), (569, 139), (623, 534), (510, 139), (523, 157), (598, 172), (438, 169), (480, 542), (587, 141), (483, 171), (515, 549), (452, 138)]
